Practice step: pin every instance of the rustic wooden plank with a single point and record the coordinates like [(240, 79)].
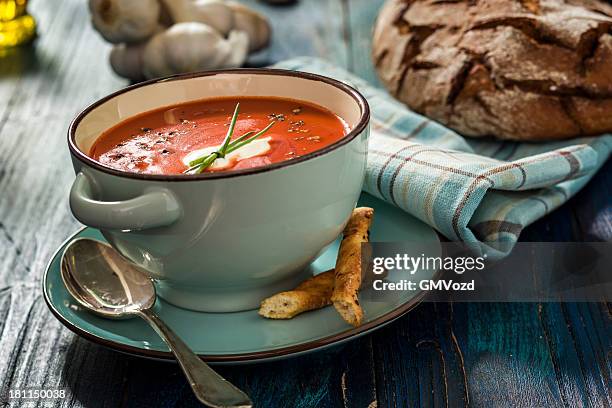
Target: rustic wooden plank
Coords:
[(151, 383), (305, 28), (592, 209), (574, 355), (44, 87), (585, 217), (358, 381), (418, 362), (64, 74), (506, 356), (494, 355), (36, 351)]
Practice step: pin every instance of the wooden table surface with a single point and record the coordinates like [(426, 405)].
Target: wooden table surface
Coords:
[(490, 355)]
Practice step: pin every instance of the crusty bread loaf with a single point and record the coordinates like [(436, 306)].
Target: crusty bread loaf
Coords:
[(514, 69)]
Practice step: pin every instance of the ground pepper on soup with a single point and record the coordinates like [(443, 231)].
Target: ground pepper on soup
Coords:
[(163, 141)]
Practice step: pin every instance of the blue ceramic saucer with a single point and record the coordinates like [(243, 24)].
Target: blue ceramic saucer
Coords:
[(243, 337)]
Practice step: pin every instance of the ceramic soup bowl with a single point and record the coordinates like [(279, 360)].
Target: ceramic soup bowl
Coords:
[(220, 242)]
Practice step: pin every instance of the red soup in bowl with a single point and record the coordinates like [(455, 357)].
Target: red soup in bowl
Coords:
[(166, 140), (245, 227)]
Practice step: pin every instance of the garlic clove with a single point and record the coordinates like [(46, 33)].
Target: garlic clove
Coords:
[(253, 23), (165, 19), (125, 21), (214, 13), (126, 61), (238, 42), (187, 47)]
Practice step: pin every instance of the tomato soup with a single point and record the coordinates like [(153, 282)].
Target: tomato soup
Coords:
[(164, 141)]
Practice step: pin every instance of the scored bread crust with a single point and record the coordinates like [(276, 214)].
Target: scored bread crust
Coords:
[(348, 271), (313, 293), (513, 69)]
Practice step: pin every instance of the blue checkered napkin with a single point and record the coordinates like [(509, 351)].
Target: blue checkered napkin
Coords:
[(482, 192)]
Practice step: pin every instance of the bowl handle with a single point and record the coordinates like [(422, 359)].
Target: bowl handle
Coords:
[(155, 208)]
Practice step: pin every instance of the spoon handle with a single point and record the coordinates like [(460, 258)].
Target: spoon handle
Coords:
[(209, 387)]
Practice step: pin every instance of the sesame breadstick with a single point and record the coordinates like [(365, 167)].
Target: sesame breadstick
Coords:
[(313, 293), (348, 266)]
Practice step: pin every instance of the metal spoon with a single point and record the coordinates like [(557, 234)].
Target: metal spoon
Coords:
[(104, 282)]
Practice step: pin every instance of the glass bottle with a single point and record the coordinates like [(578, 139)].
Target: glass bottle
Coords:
[(16, 25)]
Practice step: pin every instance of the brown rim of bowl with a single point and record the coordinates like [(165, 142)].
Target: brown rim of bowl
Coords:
[(357, 130), (251, 357)]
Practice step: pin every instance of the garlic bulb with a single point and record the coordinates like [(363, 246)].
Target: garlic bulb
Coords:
[(125, 21), (214, 13), (126, 61), (253, 23), (187, 47)]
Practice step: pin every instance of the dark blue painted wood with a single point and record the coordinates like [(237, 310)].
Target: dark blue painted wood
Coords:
[(490, 355)]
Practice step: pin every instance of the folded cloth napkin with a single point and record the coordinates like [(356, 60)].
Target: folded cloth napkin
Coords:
[(482, 192)]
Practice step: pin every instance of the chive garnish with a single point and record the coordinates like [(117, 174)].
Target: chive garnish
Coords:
[(230, 132), (240, 139), (240, 143), (202, 163), (196, 162)]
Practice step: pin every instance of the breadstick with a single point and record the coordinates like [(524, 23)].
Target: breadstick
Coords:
[(313, 293), (348, 266)]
